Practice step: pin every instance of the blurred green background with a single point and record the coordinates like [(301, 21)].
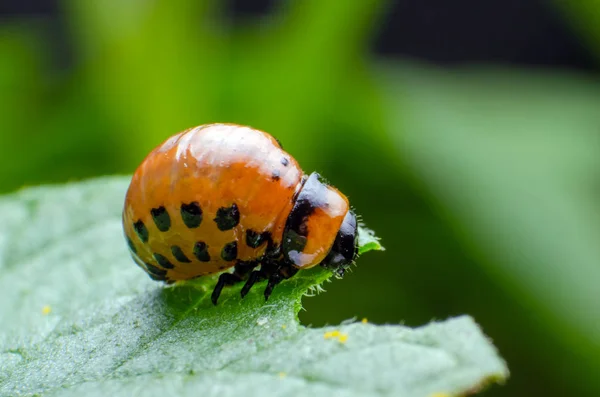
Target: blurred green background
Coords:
[(482, 178)]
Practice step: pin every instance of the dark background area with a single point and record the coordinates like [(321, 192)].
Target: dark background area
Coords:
[(512, 32), (432, 268)]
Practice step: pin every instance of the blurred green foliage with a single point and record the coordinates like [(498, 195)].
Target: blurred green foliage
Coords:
[(482, 183)]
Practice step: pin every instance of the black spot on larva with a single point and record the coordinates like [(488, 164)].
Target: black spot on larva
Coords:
[(179, 255), (285, 161), (279, 142), (227, 217), (164, 262), (275, 175), (255, 239), (131, 246), (296, 231), (161, 217), (155, 270), (294, 241), (141, 231), (201, 251), (229, 251), (191, 214), (295, 234)]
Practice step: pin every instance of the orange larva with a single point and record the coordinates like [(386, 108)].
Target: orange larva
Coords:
[(222, 195)]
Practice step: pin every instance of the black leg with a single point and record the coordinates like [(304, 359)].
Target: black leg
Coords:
[(282, 272), (240, 273), (274, 271), (255, 276), (273, 281), (224, 279), (267, 268)]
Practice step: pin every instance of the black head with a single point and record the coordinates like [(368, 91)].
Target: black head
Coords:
[(345, 247)]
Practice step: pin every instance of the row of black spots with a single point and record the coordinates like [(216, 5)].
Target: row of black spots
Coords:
[(227, 217), (228, 253), (285, 161), (161, 218), (200, 252), (253, 240), (191, 215)]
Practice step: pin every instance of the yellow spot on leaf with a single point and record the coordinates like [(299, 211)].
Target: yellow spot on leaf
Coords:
[(364, 320), (283, 326), (342, 338), (282, 375), (440, 395), (46, 310)]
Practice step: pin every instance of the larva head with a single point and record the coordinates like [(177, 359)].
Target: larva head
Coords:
[(321, 228), (345, 247)]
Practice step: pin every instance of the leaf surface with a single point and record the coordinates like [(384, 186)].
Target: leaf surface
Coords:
[(82, 319)]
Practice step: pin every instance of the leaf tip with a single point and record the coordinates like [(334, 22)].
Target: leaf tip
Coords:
[(367, 240)]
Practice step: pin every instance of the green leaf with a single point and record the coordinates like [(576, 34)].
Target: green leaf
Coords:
[(367, 241), (82, 319)]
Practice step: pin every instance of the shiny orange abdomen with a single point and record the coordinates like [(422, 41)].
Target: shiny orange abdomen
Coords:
[(207, 198)]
